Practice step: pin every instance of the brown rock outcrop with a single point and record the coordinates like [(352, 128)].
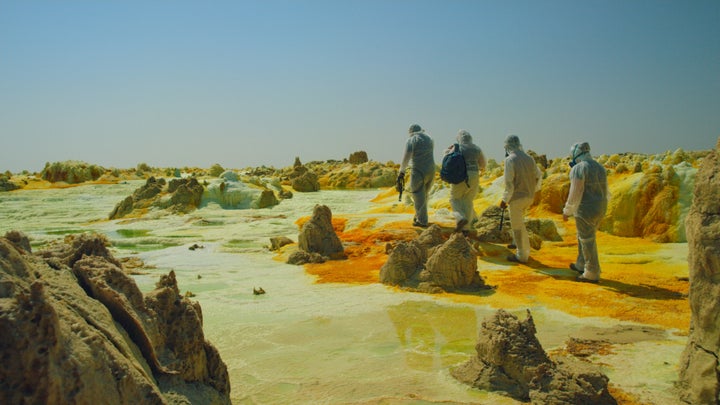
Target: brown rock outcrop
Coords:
[(510, 359), (452, 266), (267, 199), (302, 179), (318, 236), (71, 172), (699, 366), (358, 157), (300, 257), (179, 196), (488, 228), (306, 182), (186, 197), (76, 329), (276, 242), (405, 260), (432, 264)]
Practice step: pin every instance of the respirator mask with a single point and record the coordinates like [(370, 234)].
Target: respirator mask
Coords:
[(573, 162)]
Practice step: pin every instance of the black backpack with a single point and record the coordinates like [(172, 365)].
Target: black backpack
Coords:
[(453, 168)]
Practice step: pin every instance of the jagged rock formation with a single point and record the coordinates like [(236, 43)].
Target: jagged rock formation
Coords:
[(318, 236), (452, 266), (358, 157), (405, 260), (700, 367), (510, 359), (180, 196), (76, 329), (305, 182), (431, 264), (71, 171), (302, 179)]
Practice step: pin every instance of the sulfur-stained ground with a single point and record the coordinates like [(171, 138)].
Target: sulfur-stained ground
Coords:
[(641, 281)]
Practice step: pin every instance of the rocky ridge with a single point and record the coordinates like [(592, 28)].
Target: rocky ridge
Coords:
[(76, 329)]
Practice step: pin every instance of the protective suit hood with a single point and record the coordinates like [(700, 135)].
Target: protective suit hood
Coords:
[(512, 144), (579, 152), (463, 137)]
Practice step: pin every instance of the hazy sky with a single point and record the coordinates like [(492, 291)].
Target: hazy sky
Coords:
[(247, 83)]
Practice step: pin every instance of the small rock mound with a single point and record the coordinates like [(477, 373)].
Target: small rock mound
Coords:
[(405, 260), (300, 257), (358, 157), (431, 264), (276, 242), (453, 266), (302, 179), (318, 236), (510, 359)]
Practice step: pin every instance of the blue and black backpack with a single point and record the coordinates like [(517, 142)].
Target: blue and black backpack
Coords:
[(453, 168)]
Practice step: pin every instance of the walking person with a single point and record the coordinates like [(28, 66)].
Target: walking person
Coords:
[(522, 181), (418, 156), (463, 194), (587, 202)]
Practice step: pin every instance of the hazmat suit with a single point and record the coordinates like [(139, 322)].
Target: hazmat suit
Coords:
[(587, 202), (522, 180), (463, 194), (418, 156)]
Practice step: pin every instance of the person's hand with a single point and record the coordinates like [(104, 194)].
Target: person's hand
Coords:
[(565, 218), (503, 204)]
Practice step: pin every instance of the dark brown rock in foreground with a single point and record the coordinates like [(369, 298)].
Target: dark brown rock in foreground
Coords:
[(76, 329), (510, 359)]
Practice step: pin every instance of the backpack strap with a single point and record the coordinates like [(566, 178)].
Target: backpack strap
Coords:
[(467, 177)]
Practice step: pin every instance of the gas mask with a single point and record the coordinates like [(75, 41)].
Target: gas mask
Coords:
[(573, 162)]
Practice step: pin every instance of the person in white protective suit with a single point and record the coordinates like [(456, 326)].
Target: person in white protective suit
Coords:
[(587, 202), (463, 193), (522, 180), (418, 156)]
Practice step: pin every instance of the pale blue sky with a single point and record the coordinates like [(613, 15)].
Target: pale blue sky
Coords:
[(246, 83)]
